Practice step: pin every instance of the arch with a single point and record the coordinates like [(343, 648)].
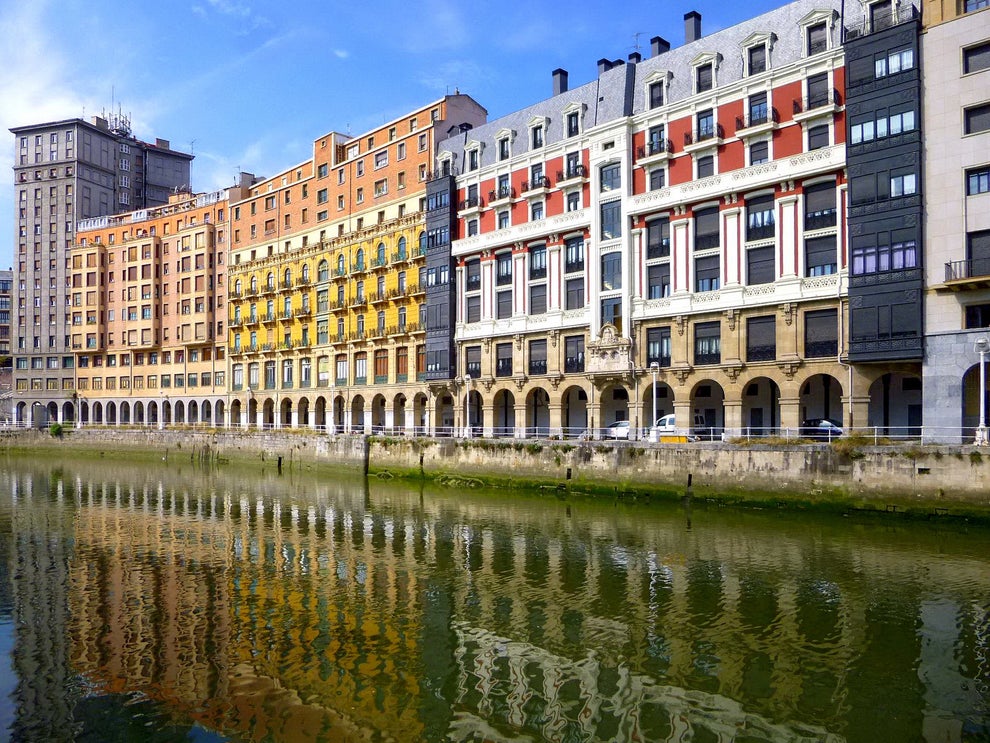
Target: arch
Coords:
[(270, 281), (399, 413), (285, 414), (302, 412), (254, 284), (338, 413), (52, 412), (238, 287), (574, 411), (287, 278), (68, 412), (760, 407), (664, 401), (111, 413), (401, 248), (708, 402), (443, 416), (305, 272), (322, 422), (179, 412), (341, 265), (323, 271), (971, 403), (504, 413), (896, 404), (252, 416), (475, 422), (98, 413), (139, 413), (125, 413), (380, 254), (821, 397), (206, 413), (192, 412), (218, 413), (359, 259), (268, 413), (357, 414), (236, 408), (166, 412), (378, 413), (84, 412), (614, 405), (420, 408), (538, 412)]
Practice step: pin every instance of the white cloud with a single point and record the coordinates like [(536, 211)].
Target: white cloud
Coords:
[(341, 53)]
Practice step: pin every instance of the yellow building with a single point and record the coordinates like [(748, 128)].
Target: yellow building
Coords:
[(327, 283)]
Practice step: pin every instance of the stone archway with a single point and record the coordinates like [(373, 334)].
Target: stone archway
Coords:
[(504, 414), (760, 407), (664, 401), (537, 413), (420, 408), (378, 414), (821, 397), (399, 413), (896, 405), (574, 411), (708, 402), (357, 414)]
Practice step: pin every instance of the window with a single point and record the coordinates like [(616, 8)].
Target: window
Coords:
[(708, 343), (611, 177), (976, 58), (871, 258), (893, 63), (611, 220), (536, 211), (819, 206), (977, 119), (706, 229), (472, 270), (658, 346), (820, 256), (573, 124), (761, 338), (707, 276), (817, 38), (538, 262), (472, 159), (760, 268), (903, 185), (817, 137), (658, 238), (574, 354), (538, 357), (538, 299), (818, 92), (612, 312), (703, 78), (757, 58), (706, 166), (821, 334), (503, 301), (658, 281), (503, 220), (706, 124), (537, 136), (473, 309), (503, 148), (573, 201), (575, 293), (503, 269), (758, 111), (503, 360), (978, 253), (381, 159), (611, 271), (759, 152), (760, 217), (574, 254), (978, 181), (978, 316), (973, 5), (472, 361), (656, 94)]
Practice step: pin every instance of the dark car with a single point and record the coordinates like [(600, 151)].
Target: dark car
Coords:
[(820, 428)]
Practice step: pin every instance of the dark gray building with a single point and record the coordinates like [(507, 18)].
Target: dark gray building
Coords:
[(65, 171)]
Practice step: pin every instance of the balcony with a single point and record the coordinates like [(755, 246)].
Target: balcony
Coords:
[(537, 367), (655, 150), (472, 284), (572, 175), (501, 196), (302, 281), (286, 284), (287, 315), (659, 249), (398, 256), (538, 185), (574, 364), (303, 312), (377, 298), (761, 232), (235, 322), (503, 368), (339, 272), (706, 242), (473, 369), (757, 122), (379, 262), (470, 204), (268, 288), (821, 349), (703, 138), (968, 274), (706, 359), (761, 353), (661, 361), (268, 317), (825, 103)]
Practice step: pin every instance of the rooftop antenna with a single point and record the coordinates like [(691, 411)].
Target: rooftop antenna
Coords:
[(636, 40), (192, 146)]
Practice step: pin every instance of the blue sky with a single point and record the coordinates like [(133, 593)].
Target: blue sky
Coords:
[(249, 85)]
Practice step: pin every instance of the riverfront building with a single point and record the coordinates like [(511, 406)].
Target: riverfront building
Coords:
[(327, 280), (680, 220), (147, 304), (956, 47), (64, 172)]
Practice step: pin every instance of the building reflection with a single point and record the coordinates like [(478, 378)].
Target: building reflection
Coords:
[(339, 611)]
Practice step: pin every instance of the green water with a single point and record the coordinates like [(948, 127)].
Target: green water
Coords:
[(174, 603)]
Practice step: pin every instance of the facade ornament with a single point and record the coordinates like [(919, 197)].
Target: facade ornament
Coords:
[(682, 375), (789, 311), (789, 367), (554, 335), (519, 341), (730, 316), (520, 382), (680, 321)]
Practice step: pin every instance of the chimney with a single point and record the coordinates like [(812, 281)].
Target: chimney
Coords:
[(559, 81), (659, 45), (692, 26), (604, 65), (635, 58)]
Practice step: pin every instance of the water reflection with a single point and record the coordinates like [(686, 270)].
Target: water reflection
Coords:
[(193, 604)]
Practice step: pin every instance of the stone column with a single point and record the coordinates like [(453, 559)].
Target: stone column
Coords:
[(790, 410), (520, 410), (488, 412), (732, 410)]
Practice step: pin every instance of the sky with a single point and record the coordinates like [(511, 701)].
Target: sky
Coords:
[(249, 85)]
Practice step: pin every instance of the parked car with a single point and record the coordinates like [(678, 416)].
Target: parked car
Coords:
[(666, 426), (618, 430), (820, 428)]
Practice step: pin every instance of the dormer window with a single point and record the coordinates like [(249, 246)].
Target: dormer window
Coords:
[(756, 59), (473, 155), (816, 29), (817, 38), (503, 149), (703, 78), (537, 133), (573, 119), (656, 95), (655, 91)]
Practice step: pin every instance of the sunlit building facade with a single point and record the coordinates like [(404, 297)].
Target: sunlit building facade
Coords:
[(327, 281)]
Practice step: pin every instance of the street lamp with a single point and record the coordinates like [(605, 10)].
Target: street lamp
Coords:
[(654, 370), (467, 405), (982, 346)]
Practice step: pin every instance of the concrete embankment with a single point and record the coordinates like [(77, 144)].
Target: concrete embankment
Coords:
[(845, 474)]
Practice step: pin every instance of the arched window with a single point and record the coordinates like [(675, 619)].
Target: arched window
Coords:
[(238, 286), (359, 261), (381, 254), (323, 271), (402, 248), (341, 265), (254, 284), (305, 272), (270, 281), (287, 278), (402, 318)]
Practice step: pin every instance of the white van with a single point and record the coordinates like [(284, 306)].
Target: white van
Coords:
[(666, 427)]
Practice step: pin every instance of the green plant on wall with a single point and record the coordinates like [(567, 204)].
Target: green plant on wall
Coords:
[(55, 430)]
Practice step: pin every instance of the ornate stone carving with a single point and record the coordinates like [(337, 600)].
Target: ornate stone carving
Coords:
[(680, 322), (553, 335), (789, 367), (610, 354), (730, 316), (789, 312)]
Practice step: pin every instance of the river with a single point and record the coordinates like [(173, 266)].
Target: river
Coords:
[(174, 602)]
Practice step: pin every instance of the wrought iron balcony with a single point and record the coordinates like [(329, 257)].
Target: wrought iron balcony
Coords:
[(758, 118), (761, 353), (817, 101), (655, 147), (968, 269)]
